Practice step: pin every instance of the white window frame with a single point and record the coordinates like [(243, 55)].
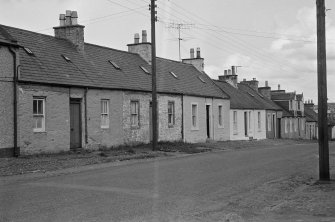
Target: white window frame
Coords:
[(235, 130), (104, 103), (220, 116), (39, 115), (172, 113), (195, 116), (135, 116)]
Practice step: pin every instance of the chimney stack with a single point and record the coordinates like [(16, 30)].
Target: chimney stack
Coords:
[(229, 72), (266, 90), (197, 61), (278, 87), (143, 48), (192, 53), (144, 36), (69, 29), (252, 83), (225, 72)]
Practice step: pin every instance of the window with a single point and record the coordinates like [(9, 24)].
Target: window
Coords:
[(66, 58), (171, 114), (194, 116), (269, 122), (174, 75), (259, 121), (220, 116), (28, 51), (114, 65), (235, 122), (39, 114), (287, 125), (134, 113), (201, 79), (145, 70), (295, 125), (298, 105), (104, 113)]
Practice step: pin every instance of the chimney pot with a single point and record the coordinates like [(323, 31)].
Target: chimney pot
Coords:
[(278, 86), (144, 36), (74, 18), (198, 53), (311, 101), (229, 71), (244, 80), (68, 17), (266, 84), (254, 79), (136, 38), (61, 19), (192, 53), (225, 72), (233, 70)]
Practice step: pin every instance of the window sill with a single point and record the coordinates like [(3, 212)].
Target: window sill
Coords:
[(171, 126), (195, 129), (220, 127), (40, 132), (105, 127)]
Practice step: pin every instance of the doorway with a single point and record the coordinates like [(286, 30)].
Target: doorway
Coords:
[(246, 123), (208, 121), (150, 122), (75, 123)]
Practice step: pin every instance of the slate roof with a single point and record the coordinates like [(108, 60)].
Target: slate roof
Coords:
[(92, 68), (239, 99), (259, 98), (311, 115), (283, 96)]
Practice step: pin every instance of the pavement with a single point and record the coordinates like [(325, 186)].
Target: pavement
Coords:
[(270, 183)]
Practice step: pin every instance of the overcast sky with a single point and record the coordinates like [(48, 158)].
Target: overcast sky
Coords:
[(272, 40)]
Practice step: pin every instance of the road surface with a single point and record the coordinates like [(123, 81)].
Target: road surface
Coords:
[(205, 187)]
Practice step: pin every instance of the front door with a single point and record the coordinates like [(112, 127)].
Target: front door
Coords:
[(278, 128), (75, 124), (208, 120), (245, 123)]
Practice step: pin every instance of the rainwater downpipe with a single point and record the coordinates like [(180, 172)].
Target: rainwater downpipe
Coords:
[(16, 68), (86, 130)]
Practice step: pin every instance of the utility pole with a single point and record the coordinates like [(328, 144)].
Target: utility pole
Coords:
[(152, 8), (179, 26), (322, 91)]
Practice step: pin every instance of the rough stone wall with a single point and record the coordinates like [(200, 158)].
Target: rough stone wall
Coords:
[(141, 134), (98, 136), (56, 137), (166, 132), (73, 33), (143, 49), (6, 98)]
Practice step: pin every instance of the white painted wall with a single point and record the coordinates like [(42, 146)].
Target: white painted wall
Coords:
[(253, 130)]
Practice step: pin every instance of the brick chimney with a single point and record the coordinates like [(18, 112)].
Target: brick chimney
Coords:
[(230, 76), (197, 61), (142, 48), (69, 29), (309, 104), (252, 83), (266, 90)]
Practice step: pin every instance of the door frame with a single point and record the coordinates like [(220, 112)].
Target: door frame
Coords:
[(246, 124), (77, 101), (208, 121)]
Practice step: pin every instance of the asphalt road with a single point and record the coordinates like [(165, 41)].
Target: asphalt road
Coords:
[(192, 188)]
